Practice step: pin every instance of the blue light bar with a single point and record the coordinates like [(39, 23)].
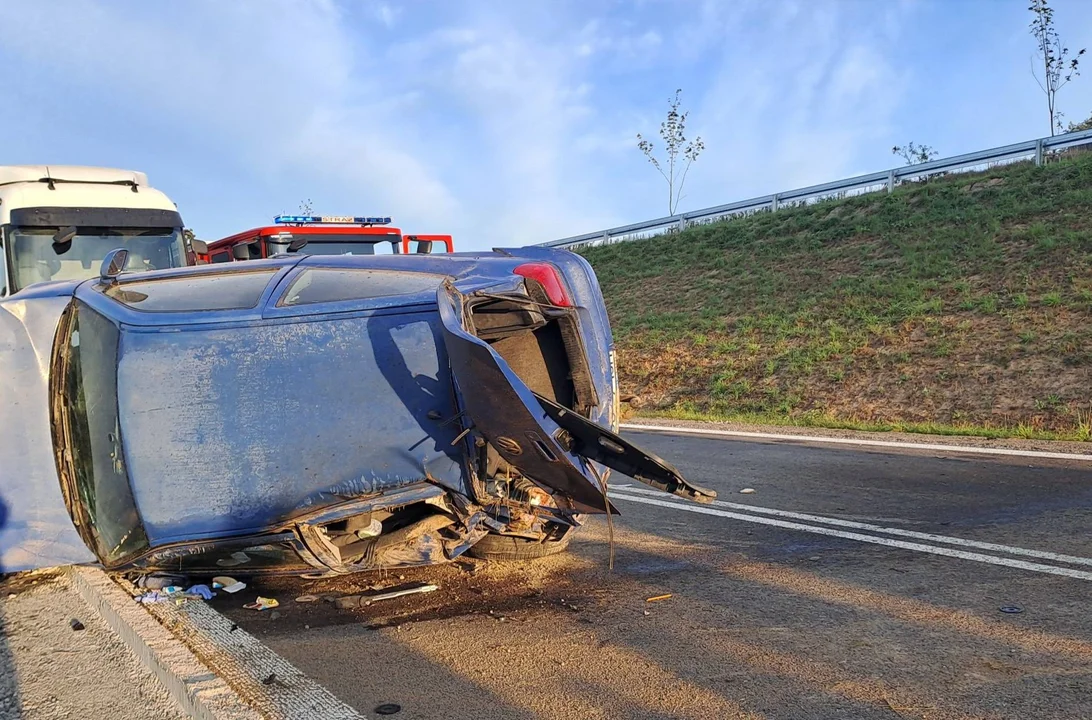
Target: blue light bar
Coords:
[(329, 220)]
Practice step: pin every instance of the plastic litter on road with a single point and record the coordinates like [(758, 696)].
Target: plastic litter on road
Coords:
[(228, 584), (201, 591), (262, 603), (657, 598)]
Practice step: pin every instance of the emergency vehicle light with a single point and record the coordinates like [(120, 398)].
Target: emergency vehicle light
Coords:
[(329, 220)]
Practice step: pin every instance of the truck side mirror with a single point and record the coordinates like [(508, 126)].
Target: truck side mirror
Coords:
[(297, 244), (424, 247), (241, 251), (199, 246)]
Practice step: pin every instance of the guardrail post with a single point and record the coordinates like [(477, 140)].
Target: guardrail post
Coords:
[(682, 224), (774, 203), (1039, 151), (890, 181)]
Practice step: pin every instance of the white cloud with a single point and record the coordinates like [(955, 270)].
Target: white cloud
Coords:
[(386, 14), (270, 83)]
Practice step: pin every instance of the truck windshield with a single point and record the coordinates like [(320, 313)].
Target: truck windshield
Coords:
[(34, 258), (329, 244)]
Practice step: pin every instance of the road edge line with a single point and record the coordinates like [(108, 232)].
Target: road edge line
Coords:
[(962, 449), (197, 690)]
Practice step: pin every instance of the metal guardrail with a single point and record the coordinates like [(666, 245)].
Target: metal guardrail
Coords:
[(885, 179)]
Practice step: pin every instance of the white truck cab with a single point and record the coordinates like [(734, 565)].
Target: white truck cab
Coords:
[(57, 222)]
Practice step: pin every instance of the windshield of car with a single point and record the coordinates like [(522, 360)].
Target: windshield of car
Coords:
[(36, 259), (91, 437)]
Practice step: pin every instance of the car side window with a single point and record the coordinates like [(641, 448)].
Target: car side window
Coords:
[(190, 293), (320, 285)]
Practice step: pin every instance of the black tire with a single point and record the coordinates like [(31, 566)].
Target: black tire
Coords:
[(506, 548)]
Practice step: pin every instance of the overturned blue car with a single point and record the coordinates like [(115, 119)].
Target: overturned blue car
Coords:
[(310, 414)]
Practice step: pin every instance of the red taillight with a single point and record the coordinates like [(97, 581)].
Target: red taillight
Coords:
[(550, 280)]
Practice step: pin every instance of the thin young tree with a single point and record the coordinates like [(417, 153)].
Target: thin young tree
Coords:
[(680, 152), (1058, 66), (914, 154)]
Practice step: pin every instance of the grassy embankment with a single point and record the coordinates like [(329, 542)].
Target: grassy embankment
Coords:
[(962, 305)]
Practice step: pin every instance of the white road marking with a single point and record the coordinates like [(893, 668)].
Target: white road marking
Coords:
[(945, 539), (889, 542), (857, 441)]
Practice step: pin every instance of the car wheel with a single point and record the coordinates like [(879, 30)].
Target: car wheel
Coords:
[(508, 548)]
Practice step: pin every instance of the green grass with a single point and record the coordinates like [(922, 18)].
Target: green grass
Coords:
[(1080, 433), (830, 308)]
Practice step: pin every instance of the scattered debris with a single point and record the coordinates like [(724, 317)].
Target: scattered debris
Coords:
[(347, 602), (746, 491), (11, 596), (160, 581), (201, 591), (228, 584), (152, 596), (1011, 609), (647, 612), (815, 558), (307, 598), (75, 624), (657, 598), (388, 709), (400, 592), (269, 679), (262, 603)]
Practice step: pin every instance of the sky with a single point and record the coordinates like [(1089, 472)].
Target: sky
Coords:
[(506, 123)]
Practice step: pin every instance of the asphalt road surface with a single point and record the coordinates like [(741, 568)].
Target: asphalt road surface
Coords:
[(850, 584)]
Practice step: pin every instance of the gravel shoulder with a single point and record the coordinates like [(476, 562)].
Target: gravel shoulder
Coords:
[(50, 670)]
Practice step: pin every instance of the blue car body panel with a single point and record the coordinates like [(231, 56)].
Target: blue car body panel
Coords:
[(274, 420)]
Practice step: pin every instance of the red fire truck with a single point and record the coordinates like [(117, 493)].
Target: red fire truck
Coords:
[(322, 235)]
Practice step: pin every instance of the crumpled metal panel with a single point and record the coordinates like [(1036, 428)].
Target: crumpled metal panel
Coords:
[(268, 422), (35, 528)]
